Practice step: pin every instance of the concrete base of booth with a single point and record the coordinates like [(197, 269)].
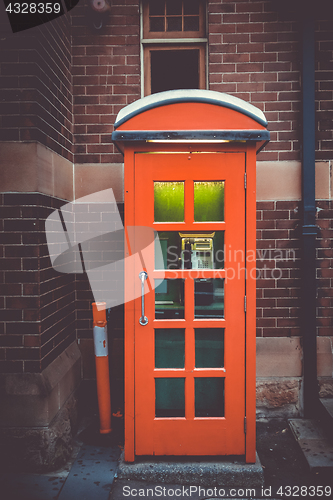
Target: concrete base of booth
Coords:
[(195, 471)]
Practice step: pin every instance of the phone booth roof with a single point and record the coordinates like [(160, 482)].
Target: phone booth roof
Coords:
[(178, 116)]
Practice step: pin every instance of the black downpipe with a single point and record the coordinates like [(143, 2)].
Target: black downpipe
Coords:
[(309, 228)]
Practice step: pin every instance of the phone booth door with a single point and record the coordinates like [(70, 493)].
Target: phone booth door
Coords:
[(189, 375)]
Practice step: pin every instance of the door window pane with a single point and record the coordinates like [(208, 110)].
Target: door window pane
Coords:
[(209, 347), (169, 201), (170, 348), (209, 201), (190, 250), (170, 397), (209, 397), (169, 299), (209, 298)]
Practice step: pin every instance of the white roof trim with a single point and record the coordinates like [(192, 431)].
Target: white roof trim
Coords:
[(189, 95)]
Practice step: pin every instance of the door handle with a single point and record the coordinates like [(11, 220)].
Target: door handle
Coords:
[(143, 320)]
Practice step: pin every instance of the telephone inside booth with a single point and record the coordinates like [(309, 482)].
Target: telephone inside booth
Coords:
[(197, 251)]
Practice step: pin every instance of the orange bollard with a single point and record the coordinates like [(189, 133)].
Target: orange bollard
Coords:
[(102, 366)]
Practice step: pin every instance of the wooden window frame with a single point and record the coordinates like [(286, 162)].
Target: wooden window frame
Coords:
[(174, 34), (147, 61)]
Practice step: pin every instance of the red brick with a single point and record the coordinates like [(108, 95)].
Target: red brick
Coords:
[(235, 18), (239, 77), (265, 322), (236, 38), (31, 340)]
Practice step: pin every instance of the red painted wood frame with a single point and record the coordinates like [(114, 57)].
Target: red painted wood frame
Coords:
[(131, 317)]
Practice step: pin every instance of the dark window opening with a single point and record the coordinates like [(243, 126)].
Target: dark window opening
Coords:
[(174, 69)]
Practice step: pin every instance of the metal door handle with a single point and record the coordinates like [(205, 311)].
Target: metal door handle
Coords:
[(143, 276)]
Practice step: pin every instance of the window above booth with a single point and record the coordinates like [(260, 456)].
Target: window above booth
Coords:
[(174, 19), (174, 44)]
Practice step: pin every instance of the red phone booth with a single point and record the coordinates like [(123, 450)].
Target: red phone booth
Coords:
[(190, 165)]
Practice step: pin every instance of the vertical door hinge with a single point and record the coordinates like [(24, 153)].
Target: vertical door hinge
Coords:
[(244, 180), (245, 425), (245, 303)]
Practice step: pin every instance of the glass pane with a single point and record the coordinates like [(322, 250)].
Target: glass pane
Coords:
[(190, 250), (191, 6), (156, 7), (169, 201), (174, 24), (170, 348), (209, 347), (156, 24), (209, 397), (209, 298), (174, 7), (185, 74), (191, 23), (170, 397), (169, 299), (209, 201)]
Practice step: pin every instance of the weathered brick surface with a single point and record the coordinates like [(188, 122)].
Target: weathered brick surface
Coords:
[(278, 262), (324, 268), (106, 78), (36, 86), (255, 54), (85, 297), (37, 303), (278, 268)]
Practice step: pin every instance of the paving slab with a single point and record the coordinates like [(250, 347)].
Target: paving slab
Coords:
[(314, 443), (328, 405), (92, 473), (32, 486), (202, 471)]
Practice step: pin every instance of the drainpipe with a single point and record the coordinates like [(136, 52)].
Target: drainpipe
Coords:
[(309, 228)]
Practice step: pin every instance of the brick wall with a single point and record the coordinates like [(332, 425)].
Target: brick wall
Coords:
[(255, 54), (278, 264), (37, 303), (106, 77), (324, 88), (325, 268), (36, 88)]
